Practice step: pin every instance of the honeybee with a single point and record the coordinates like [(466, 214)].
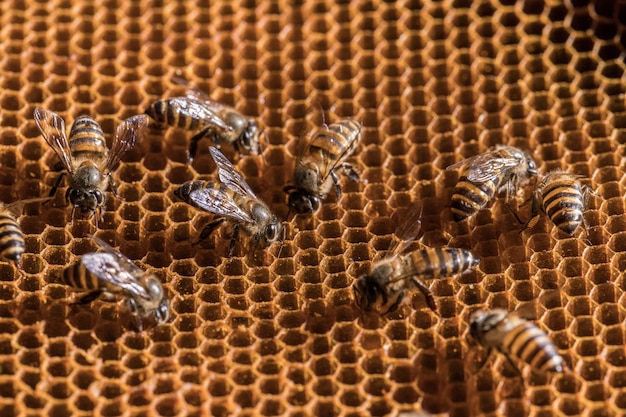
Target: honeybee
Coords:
[(199, 113), (112, 274), (390, 279), (234, 201), (503, 167), (515, 337), (85, 156), (316, 167), (563, 198), (11, 235)]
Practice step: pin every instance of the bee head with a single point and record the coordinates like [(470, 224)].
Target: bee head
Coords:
[(87, 201), (366, 292), (249, 137), (303, 202)]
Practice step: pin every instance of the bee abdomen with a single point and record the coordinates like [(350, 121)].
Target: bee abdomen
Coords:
[(167, 112), (11, 238), (183, 192), (564, 206), (444, 262), (87, 139), (77, 276), (468, 198), (338, 138), (531, 345)]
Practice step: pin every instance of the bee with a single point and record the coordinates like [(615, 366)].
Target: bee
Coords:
[(199, 113), (85, 156), (503, 167), (563, 198), (515, 337), (390, 279), (316, 166), (11, 235), (112, 274), (234, 201)]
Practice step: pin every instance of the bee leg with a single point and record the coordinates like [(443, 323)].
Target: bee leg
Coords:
[(530, 223), (54, 188), (510, 192), (87, 298), (233, 240), (395, 305), (513, 365), (335, 178), (207, 230), (350, 172), (428, 295), (131, 304), (193, 144), (114, 188)]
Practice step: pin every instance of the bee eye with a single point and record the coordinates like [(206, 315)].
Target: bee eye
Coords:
[(271, 232), (315, 203), (99, 196)]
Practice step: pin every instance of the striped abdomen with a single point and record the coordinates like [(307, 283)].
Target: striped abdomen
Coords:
[(11, 237), (337, 141), (469, 197), (531, 345), (77, 276), (186, 188), (170, 113), (563, 202), (432, 263), (87, 140)]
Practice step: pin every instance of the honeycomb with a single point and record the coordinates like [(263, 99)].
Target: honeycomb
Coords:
[(273, 333)]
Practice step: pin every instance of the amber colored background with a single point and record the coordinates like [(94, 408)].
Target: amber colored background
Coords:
[(432, 82)]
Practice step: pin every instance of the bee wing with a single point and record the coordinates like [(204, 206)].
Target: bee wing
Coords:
[(126, 137), (52, 127), (488, 165), (198, 109), (108, 267), (197, 94), (408, 227), (228, 174), (329, 166), (218, 202)]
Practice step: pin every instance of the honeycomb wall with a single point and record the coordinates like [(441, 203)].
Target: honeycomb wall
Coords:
[(277, 332)]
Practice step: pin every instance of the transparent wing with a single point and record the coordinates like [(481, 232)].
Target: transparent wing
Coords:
[(218, 202), (126, 137), (488, 165), (52, 127), (109, 268), (197, 94), (228, 174), (408, 224), (198, 109), (123, 260), (330, 165)]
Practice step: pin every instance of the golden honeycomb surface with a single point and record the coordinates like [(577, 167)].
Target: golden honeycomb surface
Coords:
[(277, 332)]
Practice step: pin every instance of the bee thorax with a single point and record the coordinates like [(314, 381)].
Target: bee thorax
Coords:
[(306, 178), (87, 177)]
